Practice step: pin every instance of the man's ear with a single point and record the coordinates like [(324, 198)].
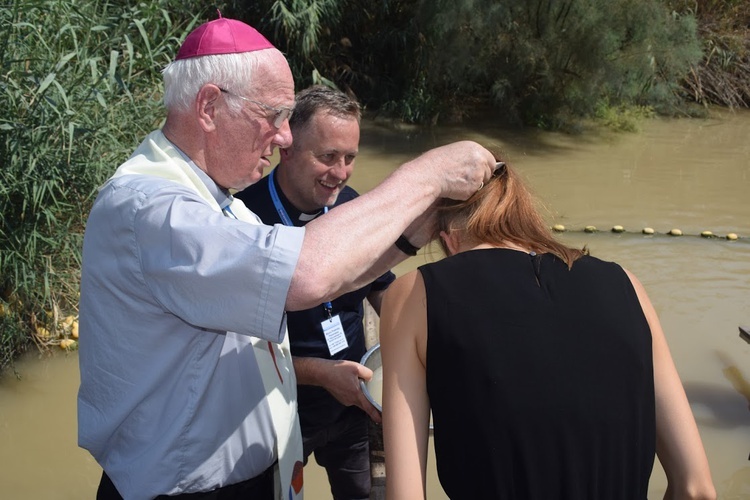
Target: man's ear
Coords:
[(285, 153), (206, 105)]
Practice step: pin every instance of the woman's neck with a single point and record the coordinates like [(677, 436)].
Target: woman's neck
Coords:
[(479, 246)]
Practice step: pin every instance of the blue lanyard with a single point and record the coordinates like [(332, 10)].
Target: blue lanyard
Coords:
[(288, 221), (228, 211), (277, 201)]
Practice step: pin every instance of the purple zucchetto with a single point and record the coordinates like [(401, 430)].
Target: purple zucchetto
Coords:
[(222, 36)]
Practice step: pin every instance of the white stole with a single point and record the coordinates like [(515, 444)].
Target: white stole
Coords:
[(160, 158)]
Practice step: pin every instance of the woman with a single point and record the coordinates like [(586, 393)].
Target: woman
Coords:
[(546, 370)]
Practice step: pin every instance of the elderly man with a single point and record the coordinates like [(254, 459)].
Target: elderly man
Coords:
[(328, 340), (187, 387)]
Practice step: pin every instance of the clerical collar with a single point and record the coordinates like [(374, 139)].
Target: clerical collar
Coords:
[(303, 217), (286, 210)]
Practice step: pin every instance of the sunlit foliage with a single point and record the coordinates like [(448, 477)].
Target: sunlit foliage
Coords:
[(80, 86)]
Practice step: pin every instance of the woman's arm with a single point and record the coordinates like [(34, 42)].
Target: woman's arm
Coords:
[(406, 407), (678, 443)]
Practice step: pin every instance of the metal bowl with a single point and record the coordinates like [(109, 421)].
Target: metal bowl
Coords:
[(371, 360)]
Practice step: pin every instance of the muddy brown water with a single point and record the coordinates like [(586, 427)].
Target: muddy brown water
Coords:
[(693, 175)]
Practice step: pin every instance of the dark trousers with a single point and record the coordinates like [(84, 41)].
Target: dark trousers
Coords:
[(257, 488), (343, 449)]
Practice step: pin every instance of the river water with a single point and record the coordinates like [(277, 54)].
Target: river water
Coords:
[(693, 175)]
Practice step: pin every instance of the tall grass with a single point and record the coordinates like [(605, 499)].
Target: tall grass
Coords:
[(723, 75), (80, 86)]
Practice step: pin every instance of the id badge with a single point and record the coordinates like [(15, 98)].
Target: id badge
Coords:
[(334, 333)]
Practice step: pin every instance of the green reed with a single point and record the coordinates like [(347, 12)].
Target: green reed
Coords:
[(80, 85)]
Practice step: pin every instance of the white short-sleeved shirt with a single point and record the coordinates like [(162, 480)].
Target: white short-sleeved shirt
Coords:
[(171, 397)]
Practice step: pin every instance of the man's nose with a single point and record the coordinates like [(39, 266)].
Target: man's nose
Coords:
[(342, 169), (283, 138)]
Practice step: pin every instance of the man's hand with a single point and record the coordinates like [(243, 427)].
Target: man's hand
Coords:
[(339, 377), (459, 169)]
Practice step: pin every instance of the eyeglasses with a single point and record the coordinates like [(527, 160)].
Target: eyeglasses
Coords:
[(280, 115)]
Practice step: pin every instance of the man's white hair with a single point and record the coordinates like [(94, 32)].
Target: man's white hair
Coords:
[(233, 72)]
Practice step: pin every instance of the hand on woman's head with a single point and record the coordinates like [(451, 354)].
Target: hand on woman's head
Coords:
[(459, 169)]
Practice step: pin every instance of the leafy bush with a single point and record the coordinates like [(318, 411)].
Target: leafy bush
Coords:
[(539, 62), (622, 118), (80, 87), (540, 59)]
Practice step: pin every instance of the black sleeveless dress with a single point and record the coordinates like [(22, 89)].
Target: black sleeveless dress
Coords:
[(540, 378)]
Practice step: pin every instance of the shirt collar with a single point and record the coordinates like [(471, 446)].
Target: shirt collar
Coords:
[(221, 195)]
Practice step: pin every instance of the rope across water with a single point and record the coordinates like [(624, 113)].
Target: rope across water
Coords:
[(648, 231)]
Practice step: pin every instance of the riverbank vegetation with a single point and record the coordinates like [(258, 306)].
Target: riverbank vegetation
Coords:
[(723, 74), (81, 85)]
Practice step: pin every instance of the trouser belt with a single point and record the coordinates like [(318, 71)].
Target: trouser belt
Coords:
[(260, 487)]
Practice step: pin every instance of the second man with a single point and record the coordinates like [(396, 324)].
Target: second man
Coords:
[(326, 341)]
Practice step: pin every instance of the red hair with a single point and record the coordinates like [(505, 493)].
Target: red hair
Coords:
[(502, 212)]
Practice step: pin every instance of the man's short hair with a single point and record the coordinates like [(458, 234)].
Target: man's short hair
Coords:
[(323, 98)]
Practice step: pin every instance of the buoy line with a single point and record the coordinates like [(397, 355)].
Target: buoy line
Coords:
[(649, 231)]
